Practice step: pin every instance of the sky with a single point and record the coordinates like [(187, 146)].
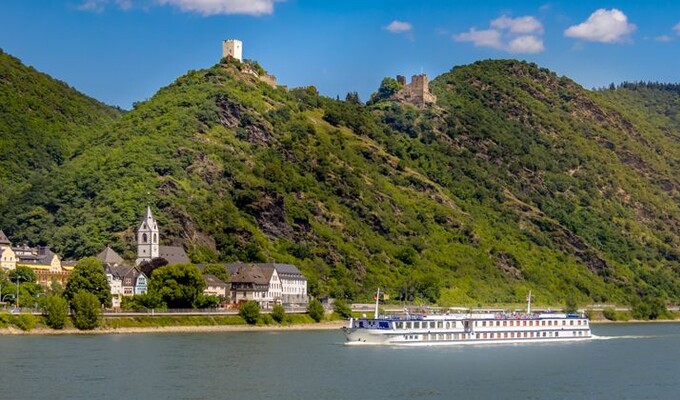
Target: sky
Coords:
[(122, 51)]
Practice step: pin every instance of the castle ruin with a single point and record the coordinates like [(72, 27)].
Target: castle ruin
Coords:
[(417, 92)]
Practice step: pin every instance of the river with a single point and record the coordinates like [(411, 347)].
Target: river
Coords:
[(628, 361)]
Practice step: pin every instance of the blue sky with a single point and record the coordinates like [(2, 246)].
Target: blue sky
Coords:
[(121, 51)]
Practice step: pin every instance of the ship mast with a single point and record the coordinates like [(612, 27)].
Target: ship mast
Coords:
[(529, 303), (377, 298)]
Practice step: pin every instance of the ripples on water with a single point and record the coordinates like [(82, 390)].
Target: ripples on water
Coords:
[(623, 362)]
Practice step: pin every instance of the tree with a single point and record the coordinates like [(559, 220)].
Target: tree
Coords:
[(278, 313), (219, 270), (88, 275), (206, 301), (250, 312), (149, 266), (315, 310), (86, 310), (55, 311), (25, 274), (571, 306), (177, 285), (353, 97), (342, 309), (388, 87)]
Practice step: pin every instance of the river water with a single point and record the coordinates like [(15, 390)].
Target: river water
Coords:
[(625, 362)]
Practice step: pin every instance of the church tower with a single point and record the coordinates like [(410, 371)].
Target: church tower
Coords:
[(147, 239)]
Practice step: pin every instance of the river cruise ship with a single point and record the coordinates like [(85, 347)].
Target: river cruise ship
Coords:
[(467, 328)]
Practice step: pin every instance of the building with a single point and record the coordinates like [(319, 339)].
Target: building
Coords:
[(215, 286), (255, 282), (148, 243), (284, 283), (8, 258), (45, 264), (232, 48), (417, 92), (147, 239), (123, 279)]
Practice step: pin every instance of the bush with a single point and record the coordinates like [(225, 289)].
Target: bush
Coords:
[(55, 311), (279, 313), (250, 311), (265, 319), (342, 309), (609, 313), (26, 322), (315, 310), (86, 310)]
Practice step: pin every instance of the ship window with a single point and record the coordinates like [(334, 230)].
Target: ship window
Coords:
[(484, 335), (557, 334), (448, 336), (571, 323), (505, 334), (542, 323), (491, 335), (483, 323), (564, 322), (478, 335), (505, 323), (498, 323), (440, 324), (432, 324), (524, 323)]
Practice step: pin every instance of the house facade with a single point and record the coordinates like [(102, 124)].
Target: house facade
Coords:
[(124, 280), (215, 286), (41, 260), (286, 284)]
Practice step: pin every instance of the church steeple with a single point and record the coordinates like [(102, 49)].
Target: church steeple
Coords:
[(147, 238)]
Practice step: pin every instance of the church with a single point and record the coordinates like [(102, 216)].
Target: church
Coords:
[(148, 246)]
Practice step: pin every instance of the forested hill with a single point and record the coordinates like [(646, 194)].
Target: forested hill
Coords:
[(43, 122), (517, 180)]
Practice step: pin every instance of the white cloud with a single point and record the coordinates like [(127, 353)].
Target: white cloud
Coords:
[(484, 38), (663, 38), (527, 44), (203, 7), (606, 26), (514, 35), (215, 7), (676, 28), (525, 24), (93, 5), (399, 27)]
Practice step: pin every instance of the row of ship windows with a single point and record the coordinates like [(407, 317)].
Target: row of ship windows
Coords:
[(499, 335), (425, 325), (529, 323)]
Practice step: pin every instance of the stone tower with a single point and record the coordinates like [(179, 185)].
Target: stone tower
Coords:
[(147, 239), (232, 48)]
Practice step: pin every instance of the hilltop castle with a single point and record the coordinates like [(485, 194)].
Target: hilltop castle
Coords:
[(417, 92), (232, 48)]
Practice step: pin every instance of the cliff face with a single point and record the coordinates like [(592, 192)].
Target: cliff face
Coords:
[(518, 180)]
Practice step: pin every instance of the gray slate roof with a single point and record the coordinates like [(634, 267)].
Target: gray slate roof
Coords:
[(109, 256), (173, 254), (287, 271), (3, 239), (212, 280)]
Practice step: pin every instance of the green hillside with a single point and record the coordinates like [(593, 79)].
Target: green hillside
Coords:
[(517, 180), (43, 123)]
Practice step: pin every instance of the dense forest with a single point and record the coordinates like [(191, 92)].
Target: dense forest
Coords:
[(517, 180)]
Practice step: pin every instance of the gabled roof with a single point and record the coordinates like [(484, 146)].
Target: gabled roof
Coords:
[(109, 256), (212, 280), (124, 271), (3, 239), (173, 254), (250, 273), (283, 270)]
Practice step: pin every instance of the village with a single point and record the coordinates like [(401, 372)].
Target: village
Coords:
[(267, 284)]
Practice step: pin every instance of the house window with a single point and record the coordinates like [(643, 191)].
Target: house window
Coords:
[(144, 238)]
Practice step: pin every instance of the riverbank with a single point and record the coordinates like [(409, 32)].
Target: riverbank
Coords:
[(43, 331)]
